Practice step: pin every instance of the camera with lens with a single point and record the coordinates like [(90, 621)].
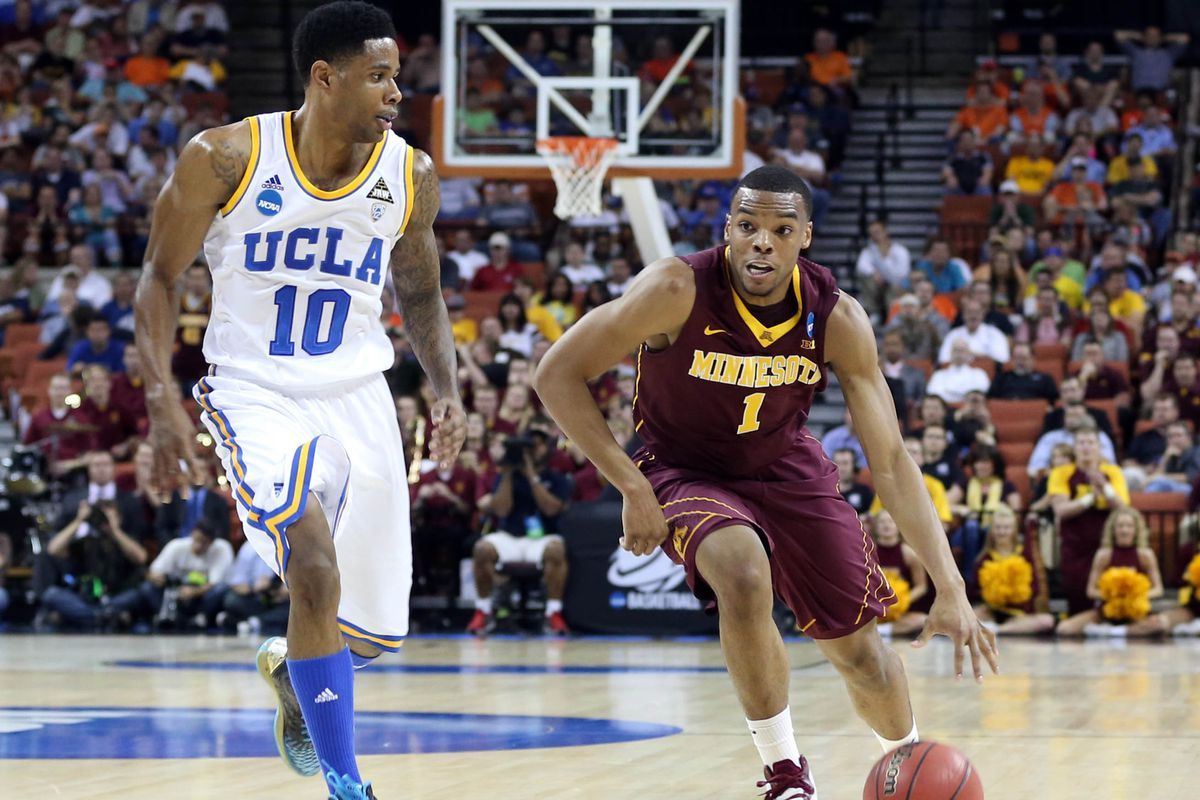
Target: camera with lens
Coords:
[(515, 448), (98, 520)]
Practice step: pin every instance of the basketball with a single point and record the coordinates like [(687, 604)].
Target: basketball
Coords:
[(924, 771)]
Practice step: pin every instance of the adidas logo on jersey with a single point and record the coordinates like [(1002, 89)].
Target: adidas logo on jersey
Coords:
[(327, 696), (380, 191), (272, 182)]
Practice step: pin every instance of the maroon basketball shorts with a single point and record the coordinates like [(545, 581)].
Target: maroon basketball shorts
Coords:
[(823, 563)]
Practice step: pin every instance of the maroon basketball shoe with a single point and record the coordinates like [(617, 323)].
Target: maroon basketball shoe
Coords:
[(556, 625), (785, 780)]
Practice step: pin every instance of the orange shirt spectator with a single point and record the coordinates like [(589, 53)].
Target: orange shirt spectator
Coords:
[(1035, 122), (989, 121), (656, 68), (1069, 196), (147, 70), (829, 69)]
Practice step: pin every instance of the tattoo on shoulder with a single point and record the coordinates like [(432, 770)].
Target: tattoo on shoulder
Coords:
[(228, 164)]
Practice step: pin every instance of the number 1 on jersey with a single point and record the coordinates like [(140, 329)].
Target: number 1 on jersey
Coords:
[(753, 403)]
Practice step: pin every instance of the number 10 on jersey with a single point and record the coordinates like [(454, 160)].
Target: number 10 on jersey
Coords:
[(311, 340)]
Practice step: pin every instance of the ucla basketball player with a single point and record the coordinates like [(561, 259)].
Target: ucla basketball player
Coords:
[(733, 344), (299, 214)]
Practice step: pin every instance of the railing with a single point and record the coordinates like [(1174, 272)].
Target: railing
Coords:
[(1180, 191)]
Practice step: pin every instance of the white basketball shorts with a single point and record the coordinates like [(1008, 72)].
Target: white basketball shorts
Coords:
[(342, 446)]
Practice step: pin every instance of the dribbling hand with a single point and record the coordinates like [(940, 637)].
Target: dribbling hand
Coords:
[(953, 617), (643, 523), (449, 432)]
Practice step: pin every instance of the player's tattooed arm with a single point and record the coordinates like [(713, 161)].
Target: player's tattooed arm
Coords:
[(416, 274), (228, 163)]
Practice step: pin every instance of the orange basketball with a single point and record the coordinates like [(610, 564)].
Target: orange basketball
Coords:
[(923, 771)]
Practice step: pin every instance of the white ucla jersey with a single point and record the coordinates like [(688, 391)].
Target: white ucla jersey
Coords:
[(298, 272)]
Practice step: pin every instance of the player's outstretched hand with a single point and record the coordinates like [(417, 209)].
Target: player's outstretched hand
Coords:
[(171, 436), (449, 432), (643, 522), (952, 616)]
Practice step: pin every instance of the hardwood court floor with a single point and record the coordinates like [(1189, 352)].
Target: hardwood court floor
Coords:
[(1101, 721)]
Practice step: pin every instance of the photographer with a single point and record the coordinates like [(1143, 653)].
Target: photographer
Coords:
[(190, 568), (525, 504), (253, 598), (95, 554), (176, 518)]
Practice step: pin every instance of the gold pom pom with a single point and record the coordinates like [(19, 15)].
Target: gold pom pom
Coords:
[(903, 592), (1125, 593), (1006, 582), (1192, 573)]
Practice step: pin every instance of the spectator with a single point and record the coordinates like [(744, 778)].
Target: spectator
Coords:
[(1078, 201), (96, 553), (422, 71), (518, 333), (858, 495), (1158, 140), (119, 310), (1045, 316), (884, 265), (983, 116), (67, 322), (53, 172), (464, 254), (559, 299), (459, 200), (147, 69), (1082, 146), (969, 169), (809, 165), (1010, 211), (254, 599), (893, 365), (833, 121), (953, 381), (195, 308), (1184, 384), (916, 329), (1147, 448), (577, 269), (1124, 305), (535, 56), (98, 224), (949, 275), (987, 491), (937, 494), (179, 515), (1033, 116), (1113, 343), (1074, 417), (115, 429), (443, 503), (1048, 56), (1029, 172), (1083, 493), (1151, 56), (1072, 391), (1178, 467), (94, 289), (1092, 71), (193, 35), (708, 215), (97, 348), (988, 74), (116, 191), (1138, 198), (596, 294), (662, 59), (526, 502), (1102, 119), (983, 340), (507, 211), (1020, 381), (202, 72), (214, 16), (547, 326), (192, 567), (1131, 153), (62, 432), (620, 276), (129, 390), (13, 307), (1100, 381), (829, 66), (1000, 286), (941, 460), (843, 437)]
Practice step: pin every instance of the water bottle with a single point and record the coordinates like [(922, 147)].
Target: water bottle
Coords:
[(533, 527)]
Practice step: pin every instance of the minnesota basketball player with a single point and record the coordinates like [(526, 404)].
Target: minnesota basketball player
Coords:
[(733, 343), (296, 213)]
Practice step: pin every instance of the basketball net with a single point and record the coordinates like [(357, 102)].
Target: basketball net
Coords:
[(578, 164)]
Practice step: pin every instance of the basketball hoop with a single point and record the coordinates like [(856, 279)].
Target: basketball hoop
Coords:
[(578, 164)]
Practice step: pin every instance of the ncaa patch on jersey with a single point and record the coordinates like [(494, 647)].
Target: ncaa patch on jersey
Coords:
[(377, 210), (268, 202)]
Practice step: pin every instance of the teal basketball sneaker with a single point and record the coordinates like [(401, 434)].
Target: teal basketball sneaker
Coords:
[(291, 734), (344, 788)]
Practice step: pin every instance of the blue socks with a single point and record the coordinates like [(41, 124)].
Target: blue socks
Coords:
[(325, 688)]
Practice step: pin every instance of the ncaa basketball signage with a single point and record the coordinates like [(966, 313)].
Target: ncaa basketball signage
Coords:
[(613, 591)]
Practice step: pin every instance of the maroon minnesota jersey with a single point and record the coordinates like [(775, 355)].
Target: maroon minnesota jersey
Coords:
[(731, 395)]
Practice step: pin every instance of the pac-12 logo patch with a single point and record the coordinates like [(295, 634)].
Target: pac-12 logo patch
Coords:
[(268, 202), (376, 211)]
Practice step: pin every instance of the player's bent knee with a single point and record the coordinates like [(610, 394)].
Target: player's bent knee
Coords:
[(485, 551), (555, 551), (741, 583)]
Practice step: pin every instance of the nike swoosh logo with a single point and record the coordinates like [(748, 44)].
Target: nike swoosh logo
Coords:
[(709, 331)]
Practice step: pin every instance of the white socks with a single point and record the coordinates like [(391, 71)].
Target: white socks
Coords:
[(889, 745), (484, 604), (774, 738), (553, 607)]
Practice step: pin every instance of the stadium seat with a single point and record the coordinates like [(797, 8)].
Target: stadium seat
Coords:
[(1005, 411), (482, 304), (1109, 407), (21, 333), (1163, 512), (1049, 351), (987, 365), (1054, 367), (1018, 476), (1018, 430), (1015, 453), (923, 364)]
